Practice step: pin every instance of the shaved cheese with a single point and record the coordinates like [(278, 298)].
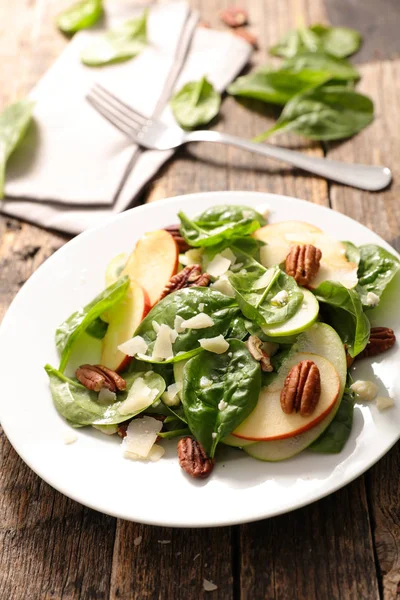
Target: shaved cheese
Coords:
[(199, 321), (69, 437), (205, 382), (178, 324), (106, 396), (173, 335), (364, 390), (156, 326), (135, 345), (383, 402), (171, 395), (209, 586), (372, 299), (281, 298), (141, 435), (155, 454), (217, 344), (201, 306), (264, 280), (227, 253), (224, 286), (163, 345), (218, 266), (140, 396)]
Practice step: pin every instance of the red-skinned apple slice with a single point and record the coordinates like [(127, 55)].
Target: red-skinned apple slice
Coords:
[(153, 262), (124, 319), (279, 237), (268, 421)]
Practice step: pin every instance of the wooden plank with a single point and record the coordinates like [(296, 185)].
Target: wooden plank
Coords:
[(321, 551), (380, 211), (168, 564)]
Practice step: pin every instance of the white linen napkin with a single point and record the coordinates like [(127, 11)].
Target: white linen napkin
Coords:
[(75, 170)]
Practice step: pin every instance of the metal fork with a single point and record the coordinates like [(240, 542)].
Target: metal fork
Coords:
[(154, 135)]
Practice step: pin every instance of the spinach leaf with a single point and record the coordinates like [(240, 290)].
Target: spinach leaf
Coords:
[(14, 121), (224, 214), (119, 44), (223, 310), (173, 433), (339, 68), (256, 300), (277, 87), (80, 16), (376, 270), (337, 41), (345, 312), (335, 436), (97, 329), (69, 331), (327, 113), (352, 252), (80, 407), (219, 392), (212, 233), (197, 103)]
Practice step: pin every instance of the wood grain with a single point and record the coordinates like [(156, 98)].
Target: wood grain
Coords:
[(345, 546)]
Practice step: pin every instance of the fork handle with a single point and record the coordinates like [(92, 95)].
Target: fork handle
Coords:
[(365, 177)]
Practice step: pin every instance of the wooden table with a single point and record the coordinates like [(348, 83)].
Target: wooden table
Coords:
[(346, 546)]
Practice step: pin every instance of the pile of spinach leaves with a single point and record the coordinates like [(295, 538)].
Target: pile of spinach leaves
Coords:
[(314, 85)]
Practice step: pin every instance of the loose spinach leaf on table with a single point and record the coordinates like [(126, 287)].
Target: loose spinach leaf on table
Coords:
[(14, 121), (338, 68), (223, 310), (197, 103), (80, 407), (69, 331), (80, 16), (337, 41), (335, 436), (376, 270), (255, 301), (122, 43), (277, 87), (352, 252), (327, 113), (233, 379), (220, 224), (344, 310)]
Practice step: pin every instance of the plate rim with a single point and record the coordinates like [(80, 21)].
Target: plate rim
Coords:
[(263, 198)]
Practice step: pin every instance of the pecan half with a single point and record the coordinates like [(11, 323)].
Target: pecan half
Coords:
[(95, 377), (188, 277), (174, 230), (257, 351), (380, 340), (193, 459), (233, 16), (302, 389), (302, 263)]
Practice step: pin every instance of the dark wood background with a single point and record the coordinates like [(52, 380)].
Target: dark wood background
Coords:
[(346, 546)]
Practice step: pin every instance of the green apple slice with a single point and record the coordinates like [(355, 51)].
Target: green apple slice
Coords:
[(178, 373), (236, 442), (301, 320), (323, 340)]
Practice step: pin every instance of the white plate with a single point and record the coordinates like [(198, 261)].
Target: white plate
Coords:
[(92, 470)]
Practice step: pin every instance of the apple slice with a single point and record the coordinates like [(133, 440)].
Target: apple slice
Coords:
[(124, 319), (279, 238), (269, 422), (303, 318), (114, 268), (277, 246), (323, 340), (153, 262)]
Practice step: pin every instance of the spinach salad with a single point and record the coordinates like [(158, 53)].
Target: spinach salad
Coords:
[(225, 330)]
